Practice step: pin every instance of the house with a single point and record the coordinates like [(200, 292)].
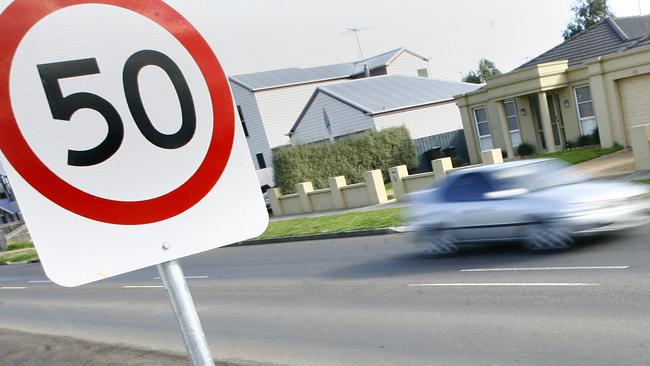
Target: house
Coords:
[(269, 102), (9, 211), (599, 78), (426, 107)]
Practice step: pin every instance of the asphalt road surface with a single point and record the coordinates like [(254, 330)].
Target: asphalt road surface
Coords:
[(369, 301)]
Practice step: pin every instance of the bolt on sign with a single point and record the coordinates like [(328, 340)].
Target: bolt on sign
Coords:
[(118, 133)]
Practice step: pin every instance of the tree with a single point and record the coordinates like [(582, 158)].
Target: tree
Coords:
[(586, 13), (486, 69)]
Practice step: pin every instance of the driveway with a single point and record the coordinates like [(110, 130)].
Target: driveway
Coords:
[(618, 163)]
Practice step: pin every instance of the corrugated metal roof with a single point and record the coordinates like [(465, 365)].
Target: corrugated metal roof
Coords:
[(612, 35), (385, 93), (389, 93), (293, 75), (296, 75)]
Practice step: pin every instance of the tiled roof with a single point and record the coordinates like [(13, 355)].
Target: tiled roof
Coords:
[(296, 75), (634, 27), (612, 35)]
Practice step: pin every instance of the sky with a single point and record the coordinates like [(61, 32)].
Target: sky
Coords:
[(261, 35)]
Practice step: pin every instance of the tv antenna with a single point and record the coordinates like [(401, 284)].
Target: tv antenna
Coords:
[(356, 32)]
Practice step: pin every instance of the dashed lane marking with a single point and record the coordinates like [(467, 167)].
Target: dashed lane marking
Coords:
[(542, 268), (523, 284)]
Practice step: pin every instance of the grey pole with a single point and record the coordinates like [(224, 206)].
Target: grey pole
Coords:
[(189, 323)]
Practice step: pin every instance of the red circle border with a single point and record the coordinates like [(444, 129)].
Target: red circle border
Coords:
[(17, 19)]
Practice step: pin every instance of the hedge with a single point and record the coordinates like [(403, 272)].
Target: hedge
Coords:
[(350, 157)]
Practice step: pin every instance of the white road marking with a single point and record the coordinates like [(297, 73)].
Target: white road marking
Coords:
[(503, 284), (12, 288), (188, 277), (142, 286), (40, 281), (542, 268)]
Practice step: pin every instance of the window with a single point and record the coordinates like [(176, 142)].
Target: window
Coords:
[(483, 128), (585, 109), (260, 161), (3, 195), (468, 187), (4, 182), (241, 118), (513, 122), (423, 73)]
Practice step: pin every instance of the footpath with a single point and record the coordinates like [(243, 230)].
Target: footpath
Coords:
[(28, 349)]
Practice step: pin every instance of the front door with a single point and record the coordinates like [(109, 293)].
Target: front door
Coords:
[(557, 124)]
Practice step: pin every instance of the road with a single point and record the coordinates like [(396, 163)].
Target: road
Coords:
[(369, 301)]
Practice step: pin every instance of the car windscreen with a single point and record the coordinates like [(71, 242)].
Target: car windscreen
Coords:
[(535, 176)]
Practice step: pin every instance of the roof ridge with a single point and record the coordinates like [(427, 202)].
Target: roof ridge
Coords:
[(356, 81), (381, 54), (617, 29)]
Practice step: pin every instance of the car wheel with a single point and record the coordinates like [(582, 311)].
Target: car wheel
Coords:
[(547, 236), (439, 243)]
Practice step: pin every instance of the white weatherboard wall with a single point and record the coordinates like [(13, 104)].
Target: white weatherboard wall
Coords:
[(407, 64), (257, 142), (280, 107), (423, 121), (344, 120)]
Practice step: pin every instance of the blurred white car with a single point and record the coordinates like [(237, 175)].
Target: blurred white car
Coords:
[(543, 203)]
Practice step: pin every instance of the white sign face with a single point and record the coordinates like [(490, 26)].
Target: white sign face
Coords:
[(119, 137)]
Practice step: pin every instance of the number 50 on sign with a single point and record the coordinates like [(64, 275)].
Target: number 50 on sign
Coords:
[(118, 134)]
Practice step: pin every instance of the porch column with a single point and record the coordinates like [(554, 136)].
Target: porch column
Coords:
[(547, 127), (608, 123), (505, 129), (471, 140)]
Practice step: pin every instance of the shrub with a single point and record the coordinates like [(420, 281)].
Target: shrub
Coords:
[(595, 137), (457, 161), (525, 149), (585, 140), (350, 157), (570, 144)]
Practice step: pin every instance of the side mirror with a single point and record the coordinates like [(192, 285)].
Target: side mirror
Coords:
[(507, 193)]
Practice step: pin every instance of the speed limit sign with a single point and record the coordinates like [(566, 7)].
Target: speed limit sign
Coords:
[(118, 132)]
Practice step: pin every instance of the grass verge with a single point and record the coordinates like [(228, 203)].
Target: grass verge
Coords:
[(20, 245), (352, 221), (18, 256), (581, 154), (642, 181)]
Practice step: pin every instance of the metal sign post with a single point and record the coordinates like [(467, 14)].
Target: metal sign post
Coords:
[(189, 323)]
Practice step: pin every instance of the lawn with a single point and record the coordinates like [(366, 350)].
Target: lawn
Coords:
[(352, 221), (579, 155), (642, 181), (18, 255), (20, 245)]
